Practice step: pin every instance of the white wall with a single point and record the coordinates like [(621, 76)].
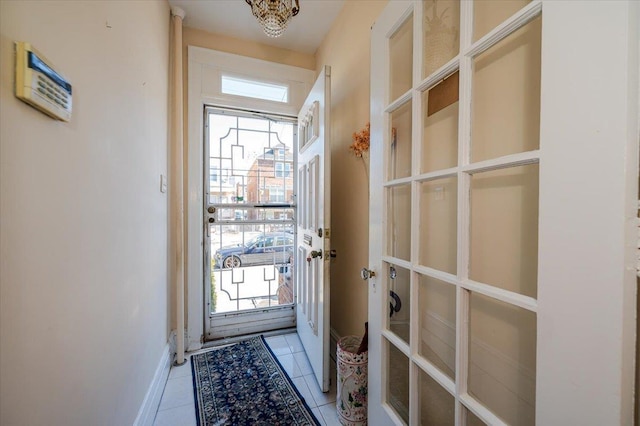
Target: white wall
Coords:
[(83, 225), (588, 181)]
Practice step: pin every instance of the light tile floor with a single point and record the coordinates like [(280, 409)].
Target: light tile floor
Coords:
[(177, 407)]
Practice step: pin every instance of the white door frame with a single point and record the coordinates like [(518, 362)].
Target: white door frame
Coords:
[(205, 70), (587, 211)]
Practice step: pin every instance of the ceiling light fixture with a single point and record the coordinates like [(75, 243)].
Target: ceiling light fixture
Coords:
[(274, 15)]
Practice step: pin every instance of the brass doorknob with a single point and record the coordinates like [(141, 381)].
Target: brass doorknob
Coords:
[(365, 274), (316, 253)]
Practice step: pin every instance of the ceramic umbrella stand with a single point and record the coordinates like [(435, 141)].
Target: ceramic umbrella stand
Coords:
[(351, 398)]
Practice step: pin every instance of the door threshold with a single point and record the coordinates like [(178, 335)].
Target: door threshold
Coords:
[(235, 339)]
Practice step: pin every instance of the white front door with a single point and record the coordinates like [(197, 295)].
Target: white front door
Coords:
[(313, 248), (504, 160)]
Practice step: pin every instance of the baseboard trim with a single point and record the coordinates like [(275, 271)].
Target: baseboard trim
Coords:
[(149, 407)]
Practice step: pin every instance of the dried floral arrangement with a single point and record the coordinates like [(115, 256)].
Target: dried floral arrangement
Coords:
[(360, 143)]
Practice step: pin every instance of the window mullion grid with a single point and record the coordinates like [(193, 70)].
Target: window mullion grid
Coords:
[(504, 30), (414, 282), (414, 393), (481, 411), (506, 296), (416, 155), (463, 219), (417, 129), (414, 402), (462, 294)]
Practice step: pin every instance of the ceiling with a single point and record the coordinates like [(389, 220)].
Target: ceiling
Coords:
[(233, 18)]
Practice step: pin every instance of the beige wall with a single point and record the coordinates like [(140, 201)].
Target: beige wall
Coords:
[(347, 50), (83, 225), (222, 43)]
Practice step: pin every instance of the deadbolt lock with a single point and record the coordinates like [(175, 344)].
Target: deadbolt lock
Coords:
[(211, 220), (211, 209)]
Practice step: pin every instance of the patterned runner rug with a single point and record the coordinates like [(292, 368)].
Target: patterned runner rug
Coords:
[(244, 384)]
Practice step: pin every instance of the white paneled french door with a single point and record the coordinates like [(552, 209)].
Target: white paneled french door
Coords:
[(488, 273), (314, 226)]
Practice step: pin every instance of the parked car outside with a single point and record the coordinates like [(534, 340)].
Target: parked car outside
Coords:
[(266, 249)]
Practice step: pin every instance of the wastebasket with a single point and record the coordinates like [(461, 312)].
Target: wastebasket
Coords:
[(351, 396)]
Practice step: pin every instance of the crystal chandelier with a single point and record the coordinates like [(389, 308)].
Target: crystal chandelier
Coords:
[(274, 15)]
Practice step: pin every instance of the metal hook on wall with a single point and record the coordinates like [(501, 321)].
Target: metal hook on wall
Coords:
[(398, 303)]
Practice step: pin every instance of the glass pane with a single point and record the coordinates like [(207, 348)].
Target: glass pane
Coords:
[(398, 383), (437, 406), (504, 229), (437, 310), (506, 96), (250, 160), (472, 419), (438, 224), (487, 14), (399, 300), (502, 359), (399, 222), (441, 33), (241, 86), (401, 59), (399, 165), (251, 266), (440, 126)]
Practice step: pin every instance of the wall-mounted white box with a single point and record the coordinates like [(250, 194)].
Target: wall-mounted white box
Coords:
[(40, 85)]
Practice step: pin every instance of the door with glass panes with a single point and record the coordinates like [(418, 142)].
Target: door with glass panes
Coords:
[(454, 214), (250, 214)]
